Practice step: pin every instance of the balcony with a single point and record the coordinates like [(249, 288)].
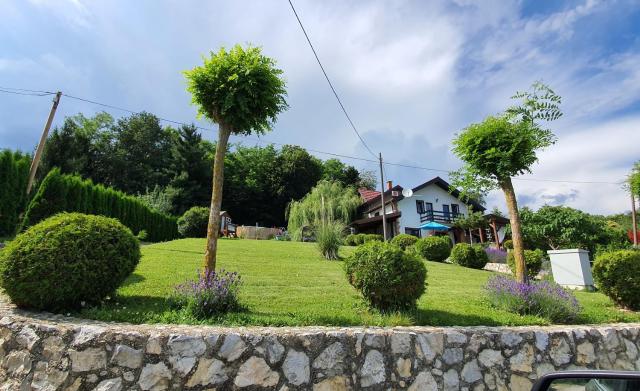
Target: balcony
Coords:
[(439, 216)]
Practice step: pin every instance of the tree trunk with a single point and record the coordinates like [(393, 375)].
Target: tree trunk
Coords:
[(213, 228), (516, 230)]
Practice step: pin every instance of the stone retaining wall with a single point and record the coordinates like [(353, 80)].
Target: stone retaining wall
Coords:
[(57, 353)]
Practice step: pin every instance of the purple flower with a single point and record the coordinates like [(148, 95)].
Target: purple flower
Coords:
[(212, 293)]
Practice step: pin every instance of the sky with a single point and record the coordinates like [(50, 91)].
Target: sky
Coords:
[(410, 73)]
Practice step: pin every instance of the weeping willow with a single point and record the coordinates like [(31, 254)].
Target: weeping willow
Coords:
[(324, 212)]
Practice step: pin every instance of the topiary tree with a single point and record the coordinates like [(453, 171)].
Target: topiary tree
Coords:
[(434, 248), (68, 259), (404, 241), (504, 146), (387, 277), (617, 274), (243, 92), (193, 223)]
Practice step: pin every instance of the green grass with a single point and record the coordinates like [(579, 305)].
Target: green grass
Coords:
[(288, 283)]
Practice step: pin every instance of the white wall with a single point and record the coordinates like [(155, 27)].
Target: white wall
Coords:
[(433, 194), (388, 209)]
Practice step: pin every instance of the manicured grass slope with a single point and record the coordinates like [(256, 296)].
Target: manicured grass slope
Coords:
[(288, 283)]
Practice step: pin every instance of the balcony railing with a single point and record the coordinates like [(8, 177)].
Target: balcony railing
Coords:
[(439, 216)]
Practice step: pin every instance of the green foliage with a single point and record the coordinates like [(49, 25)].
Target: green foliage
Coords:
[(327, 202), (472, 220), (240, 88), (142, 236), (634, 179), (498, 148), (70, 193), (66, 260), (14, 175), (351, 240), (558, 227), (366, 238), (329, 238), (387, 277), (617, 274), (193, 223), (158, 199), (508, 244), (467, 255), (539, 103), (404, 241), (532, 258), (434, 248)]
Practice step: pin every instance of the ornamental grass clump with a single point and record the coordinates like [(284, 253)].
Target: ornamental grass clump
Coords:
[(545, 299), (213, 293)]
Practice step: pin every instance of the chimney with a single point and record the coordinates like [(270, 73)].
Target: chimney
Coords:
[(389, 185)]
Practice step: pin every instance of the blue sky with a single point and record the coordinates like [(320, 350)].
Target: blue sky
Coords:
[(411, 74)]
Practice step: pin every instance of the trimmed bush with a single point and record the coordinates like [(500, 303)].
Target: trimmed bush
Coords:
[(508, 244), (66, 260), (472, 256), (70, 193), (617, 274), (532, 258), (14, 175), (350, 240), (387, 277), (372, 238), (434, 248), (359, 239), (404, 241), (193, 223)]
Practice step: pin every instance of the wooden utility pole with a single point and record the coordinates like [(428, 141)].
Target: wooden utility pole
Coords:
[(634, 228), (384, 217), (43, 139)]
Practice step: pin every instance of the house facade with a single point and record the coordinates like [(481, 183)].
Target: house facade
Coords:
[(432, 201)]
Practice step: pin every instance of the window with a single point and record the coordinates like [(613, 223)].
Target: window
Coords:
[(412, 231), (428, 207), (455, 209), (446, 212), (420, 206)]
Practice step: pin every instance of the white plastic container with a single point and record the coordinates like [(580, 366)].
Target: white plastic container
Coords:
[(571, 268)]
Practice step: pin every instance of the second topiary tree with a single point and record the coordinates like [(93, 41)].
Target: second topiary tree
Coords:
[(434, 248)]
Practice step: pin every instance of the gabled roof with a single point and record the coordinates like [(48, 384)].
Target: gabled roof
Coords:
[(367, 194), (444, 185)]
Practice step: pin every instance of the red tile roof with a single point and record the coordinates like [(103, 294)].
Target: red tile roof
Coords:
[(367, 194)]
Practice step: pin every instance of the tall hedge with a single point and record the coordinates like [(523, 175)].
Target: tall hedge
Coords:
[(70, 193), (14, 174)]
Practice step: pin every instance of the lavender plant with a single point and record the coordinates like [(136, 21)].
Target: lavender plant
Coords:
[(541, 298), (496, 255), (211, 294)]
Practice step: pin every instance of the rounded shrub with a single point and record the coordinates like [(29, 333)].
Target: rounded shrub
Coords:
[(351, 240), (617, 274), (372, 238), (404, 241), (387, 277), (193, 223), (434, 248), (508, 244), (532, 258), (66, 260), (467, 255)]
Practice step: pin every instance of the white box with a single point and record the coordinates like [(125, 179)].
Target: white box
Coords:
[(571, 268)]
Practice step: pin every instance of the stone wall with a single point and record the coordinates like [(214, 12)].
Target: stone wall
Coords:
[(57, 353)]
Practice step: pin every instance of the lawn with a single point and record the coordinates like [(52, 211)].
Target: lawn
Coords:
[(288, 283)]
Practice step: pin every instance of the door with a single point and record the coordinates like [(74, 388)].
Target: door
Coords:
[(455, 210), (446, 212)]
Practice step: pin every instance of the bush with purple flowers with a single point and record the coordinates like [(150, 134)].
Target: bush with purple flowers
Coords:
[(213, 293), (541, 298), (496, 255)]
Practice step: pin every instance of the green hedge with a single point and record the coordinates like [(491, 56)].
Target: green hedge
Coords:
[(70, 193), (617, 274), (14, 174)]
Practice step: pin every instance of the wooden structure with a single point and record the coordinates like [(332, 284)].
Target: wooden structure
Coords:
[(227, 227)]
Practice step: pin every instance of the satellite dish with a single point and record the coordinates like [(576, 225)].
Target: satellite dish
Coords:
[(407, 193)]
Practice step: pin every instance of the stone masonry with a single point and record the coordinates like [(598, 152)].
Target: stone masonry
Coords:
[(51, 352)]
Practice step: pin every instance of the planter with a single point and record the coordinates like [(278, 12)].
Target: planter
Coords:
[(571, 268)]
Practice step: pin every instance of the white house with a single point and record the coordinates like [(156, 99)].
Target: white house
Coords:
[(433, 200)]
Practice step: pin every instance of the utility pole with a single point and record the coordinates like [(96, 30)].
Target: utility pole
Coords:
[(634, 229), (43, 139), (384, 218)]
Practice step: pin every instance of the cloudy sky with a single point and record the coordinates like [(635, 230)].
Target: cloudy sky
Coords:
[(411, 74)]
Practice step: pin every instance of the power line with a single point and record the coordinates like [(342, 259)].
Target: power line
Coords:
[(329, 81), (43, 93), (26, 93)]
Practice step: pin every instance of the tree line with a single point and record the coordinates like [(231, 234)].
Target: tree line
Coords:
[(171, 168)]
